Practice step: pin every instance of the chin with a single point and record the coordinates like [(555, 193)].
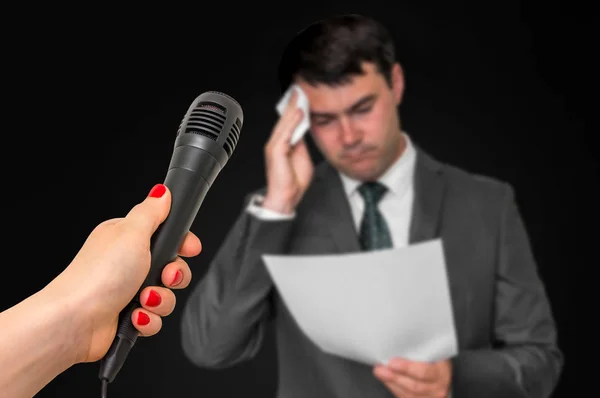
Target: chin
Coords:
[(364, 171)]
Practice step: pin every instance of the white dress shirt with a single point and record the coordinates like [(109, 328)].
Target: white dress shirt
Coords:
[(395, 206)]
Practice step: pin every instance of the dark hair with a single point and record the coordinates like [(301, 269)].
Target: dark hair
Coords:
[(331, 51)]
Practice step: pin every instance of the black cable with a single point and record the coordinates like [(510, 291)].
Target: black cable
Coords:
[(104, 388)]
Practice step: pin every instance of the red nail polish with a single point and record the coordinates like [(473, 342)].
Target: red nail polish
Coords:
[(153, 299), (177, 279), (143, 319), (157, 191)]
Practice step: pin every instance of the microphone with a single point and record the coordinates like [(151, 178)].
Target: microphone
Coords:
[(206, 138)]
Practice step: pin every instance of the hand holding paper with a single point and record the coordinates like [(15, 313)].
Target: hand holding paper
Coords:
[(371, 306), (406, 378)]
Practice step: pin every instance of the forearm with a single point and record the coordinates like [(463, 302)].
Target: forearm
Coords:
[(223, 327), (483, 373), (528, 372), (537, 367), (38, 342), (225, 317)]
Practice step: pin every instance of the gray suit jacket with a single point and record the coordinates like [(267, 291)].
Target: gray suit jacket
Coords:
[(506, 332)]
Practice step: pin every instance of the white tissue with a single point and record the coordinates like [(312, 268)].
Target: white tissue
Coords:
[(302, 103)]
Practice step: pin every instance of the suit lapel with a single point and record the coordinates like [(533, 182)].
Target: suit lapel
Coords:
[(429, 192), (426, 225), (334, 210)]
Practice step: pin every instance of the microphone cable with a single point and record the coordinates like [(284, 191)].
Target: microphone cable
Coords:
[(104, 388)]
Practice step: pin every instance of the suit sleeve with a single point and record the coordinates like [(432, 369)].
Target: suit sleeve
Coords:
[(224, 319), (525, 361)]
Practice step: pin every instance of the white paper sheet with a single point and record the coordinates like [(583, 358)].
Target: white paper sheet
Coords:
[(371, 306), (302, 103)]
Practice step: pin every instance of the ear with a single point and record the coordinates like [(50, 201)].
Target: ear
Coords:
[(397, 82)]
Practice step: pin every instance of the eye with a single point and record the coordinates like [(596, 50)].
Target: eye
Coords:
[(322, 121), (364, 109)]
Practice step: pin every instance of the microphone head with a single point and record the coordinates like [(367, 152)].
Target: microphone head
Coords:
[(213, 122)]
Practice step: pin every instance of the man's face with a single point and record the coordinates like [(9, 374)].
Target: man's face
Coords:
[(356, 125)]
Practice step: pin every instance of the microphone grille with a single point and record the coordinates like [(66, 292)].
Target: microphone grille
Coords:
[(226, 96), (214, 116), (233, 136), (207, 118)]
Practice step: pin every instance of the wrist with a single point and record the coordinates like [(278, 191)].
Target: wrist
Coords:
[(284, 206), (40, 339), (74, 310)]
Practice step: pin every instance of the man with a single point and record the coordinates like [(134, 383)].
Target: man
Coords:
[(376, 189)]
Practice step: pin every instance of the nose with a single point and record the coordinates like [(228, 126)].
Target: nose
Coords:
[(349, 134)]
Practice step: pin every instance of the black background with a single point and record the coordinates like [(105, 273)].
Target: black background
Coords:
[(92, 102)]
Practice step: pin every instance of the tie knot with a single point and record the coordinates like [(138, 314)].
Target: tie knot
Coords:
[(372, 191)]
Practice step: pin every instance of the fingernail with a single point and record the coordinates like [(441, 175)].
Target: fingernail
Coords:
[(177, 279), (153, 299), (143, 319), (157, 191)]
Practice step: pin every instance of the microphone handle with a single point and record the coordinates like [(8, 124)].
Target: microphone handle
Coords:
[(188, 190)]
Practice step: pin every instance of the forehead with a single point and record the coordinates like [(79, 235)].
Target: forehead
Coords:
[(324, 98)]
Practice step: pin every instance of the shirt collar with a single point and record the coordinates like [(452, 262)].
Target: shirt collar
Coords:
[(397, 178)]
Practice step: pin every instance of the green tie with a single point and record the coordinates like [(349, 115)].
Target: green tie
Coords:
[(374, 232)]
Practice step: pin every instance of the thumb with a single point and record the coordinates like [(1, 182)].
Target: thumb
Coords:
[(149, 214)]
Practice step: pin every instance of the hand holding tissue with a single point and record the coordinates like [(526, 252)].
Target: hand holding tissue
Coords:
[(302, 103)]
